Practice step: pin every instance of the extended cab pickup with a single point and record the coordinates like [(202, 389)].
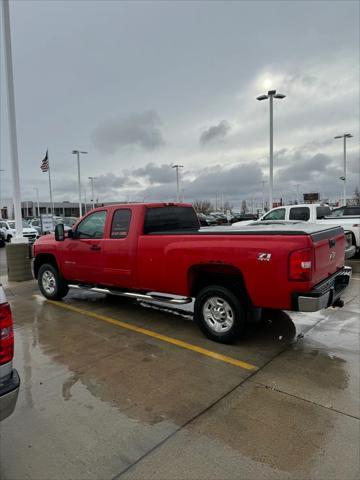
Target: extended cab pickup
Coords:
[(159, 252), (316, 213)]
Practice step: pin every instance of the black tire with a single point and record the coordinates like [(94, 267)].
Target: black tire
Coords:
[(51, 283), (228, 328), (8, 238)]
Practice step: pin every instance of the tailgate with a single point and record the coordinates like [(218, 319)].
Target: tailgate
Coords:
[(329, 246)]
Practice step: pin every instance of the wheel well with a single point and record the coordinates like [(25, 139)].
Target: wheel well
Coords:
[(201, 276), (43, 258)]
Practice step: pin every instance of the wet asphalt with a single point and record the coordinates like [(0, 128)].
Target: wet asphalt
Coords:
[(101, 401)]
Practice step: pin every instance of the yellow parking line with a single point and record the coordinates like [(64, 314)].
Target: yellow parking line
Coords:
[(158, 336)]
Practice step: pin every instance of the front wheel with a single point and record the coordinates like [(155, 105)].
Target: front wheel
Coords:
[(219, 314), (51, 283)]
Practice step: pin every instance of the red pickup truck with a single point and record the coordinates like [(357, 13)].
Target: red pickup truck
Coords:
[(158, 252)]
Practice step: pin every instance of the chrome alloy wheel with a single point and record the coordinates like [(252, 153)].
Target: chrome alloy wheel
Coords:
[(218, 314), (49, 282)]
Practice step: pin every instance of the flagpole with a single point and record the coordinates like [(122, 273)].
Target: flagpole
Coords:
[(50, 189)]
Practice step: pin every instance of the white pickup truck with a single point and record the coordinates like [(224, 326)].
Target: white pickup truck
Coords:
[(313, 213)]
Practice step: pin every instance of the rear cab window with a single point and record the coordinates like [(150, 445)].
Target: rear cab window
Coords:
[(300, 213), (170, 219), (120, 223), (322, 212)]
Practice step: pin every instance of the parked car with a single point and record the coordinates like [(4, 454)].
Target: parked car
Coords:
[(36, 223), (219, 217), (8, 226), (133, 250), (2, 238), (242, 217), (314, 213), (206, 220), (9, 378), (349, 211)]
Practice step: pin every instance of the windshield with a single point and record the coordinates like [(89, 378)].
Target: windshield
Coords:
[(24, 224)]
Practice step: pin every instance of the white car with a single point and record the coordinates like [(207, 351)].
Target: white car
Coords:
[(312, 213), (8, 227)]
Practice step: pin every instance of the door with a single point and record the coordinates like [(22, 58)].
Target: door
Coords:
[(83, 254), (119, 251)]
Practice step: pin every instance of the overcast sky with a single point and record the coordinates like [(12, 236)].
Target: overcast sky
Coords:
[(143, 85)]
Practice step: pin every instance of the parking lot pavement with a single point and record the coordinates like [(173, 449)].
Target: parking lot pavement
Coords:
[(116, 389)]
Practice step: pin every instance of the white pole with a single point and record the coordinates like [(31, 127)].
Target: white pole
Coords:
[(297, 193), (79, 183), (271, 181), (37, 201), (344, 195), (92, 191), (177, 185), (50, 191), (12, 119)]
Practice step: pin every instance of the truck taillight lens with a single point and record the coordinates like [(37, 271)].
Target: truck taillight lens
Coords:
[(300, 265), (6, 334)]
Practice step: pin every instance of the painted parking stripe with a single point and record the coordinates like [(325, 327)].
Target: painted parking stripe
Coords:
[(150, 333)]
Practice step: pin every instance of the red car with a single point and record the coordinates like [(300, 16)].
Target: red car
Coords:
[(158, 252), (9, 378)]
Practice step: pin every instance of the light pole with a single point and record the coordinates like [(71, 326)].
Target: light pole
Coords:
[(271, 95), (297, 193), (263, 195), (77, 153), (177, 181), (37, 200), (92, 191), (345, 136)]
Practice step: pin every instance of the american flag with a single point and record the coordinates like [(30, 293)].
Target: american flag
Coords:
[(45, 163)]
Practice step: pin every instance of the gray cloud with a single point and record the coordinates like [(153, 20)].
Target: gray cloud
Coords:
[(138, 129), (215, 132), (156, 173)]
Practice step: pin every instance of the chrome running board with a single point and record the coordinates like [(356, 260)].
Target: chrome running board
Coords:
[(137, 296)]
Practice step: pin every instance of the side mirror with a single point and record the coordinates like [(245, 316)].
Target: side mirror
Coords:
[(59, 232)]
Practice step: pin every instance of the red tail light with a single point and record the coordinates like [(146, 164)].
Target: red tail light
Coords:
[(301, 265), (6, 334)]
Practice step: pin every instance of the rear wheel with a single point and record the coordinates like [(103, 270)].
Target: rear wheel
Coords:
[(219, 314), (51, 283)]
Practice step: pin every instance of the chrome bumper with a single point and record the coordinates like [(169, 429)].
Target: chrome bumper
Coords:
[(325, 293), (8, 395)]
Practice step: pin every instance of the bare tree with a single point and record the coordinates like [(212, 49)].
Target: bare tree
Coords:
[(203, 206), (244, 208), (356, 196), (228, 206)]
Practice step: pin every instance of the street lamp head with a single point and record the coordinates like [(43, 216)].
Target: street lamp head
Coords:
[(279, 95), (271, 92), (342, 178), (338, 136), (75, 151), (348, 135), (262, 97)]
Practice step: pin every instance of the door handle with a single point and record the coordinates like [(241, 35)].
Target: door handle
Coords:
[(95, 247)]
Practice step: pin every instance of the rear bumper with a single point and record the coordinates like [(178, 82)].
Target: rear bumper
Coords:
[(8, 395), (324, 294)]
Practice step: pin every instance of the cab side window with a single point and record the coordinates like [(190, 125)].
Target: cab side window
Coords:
[(120, 223), (300, 213), (278, 214), (92, 226)]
